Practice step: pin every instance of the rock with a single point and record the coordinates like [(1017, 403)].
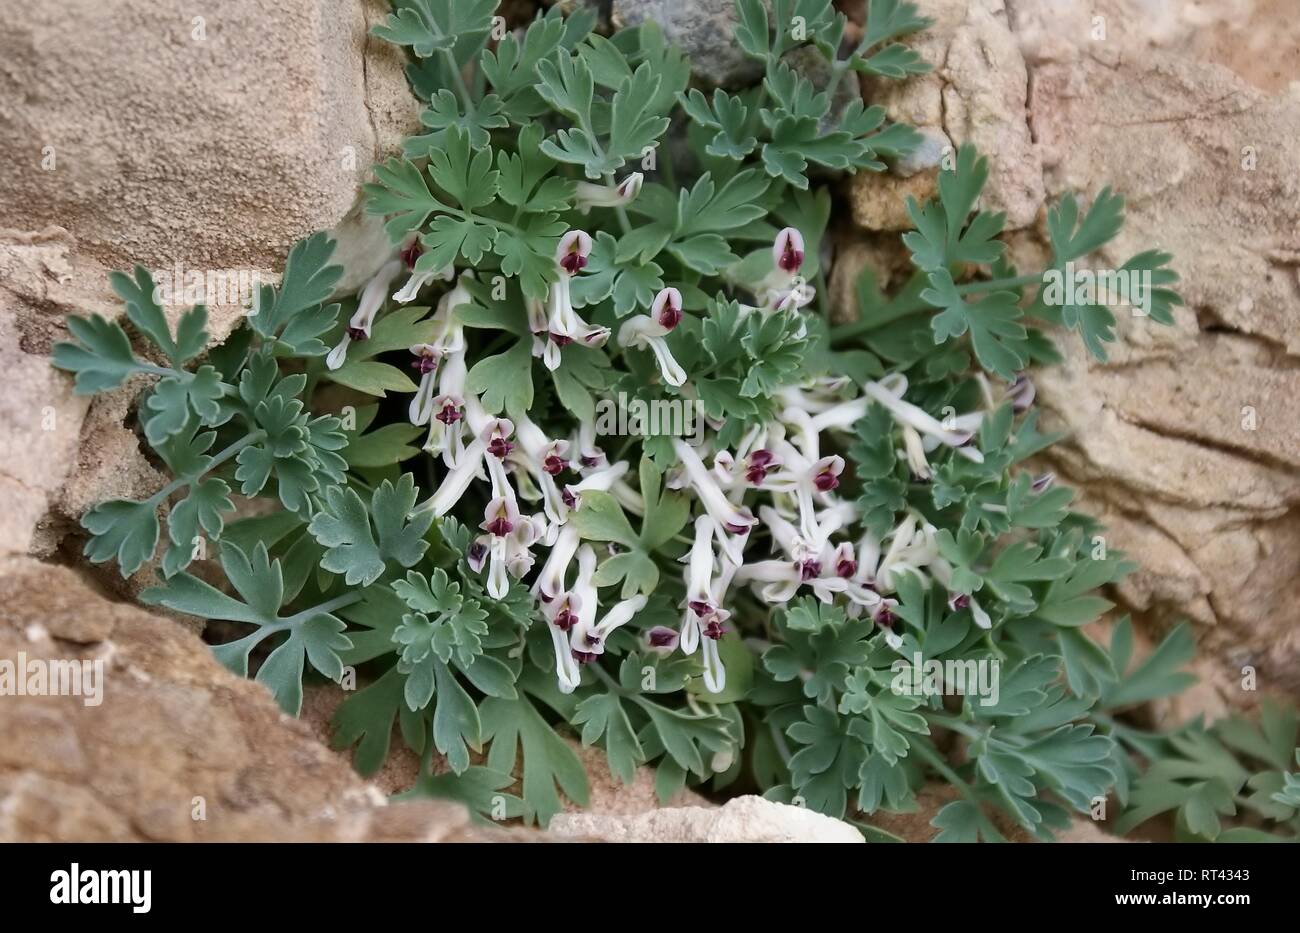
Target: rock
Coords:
[(178, 749), (705, 31), (175, 160), (976, 94), (1185, 445), (172, 158), (879, 202), (929, 154), (741, 819)]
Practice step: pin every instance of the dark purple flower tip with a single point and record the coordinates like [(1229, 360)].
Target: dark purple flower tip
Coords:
[(425, 363), (670, 315), (592, 639), (592, 460), (661, 637), (560, 340), (810, 569), (885, 618), (477, 552), (699, 607), (960, 601), (584, 657), (846, 567), (449, 415), (499, 526), (755, 475), (1043, 483), (573, 262), (564, 620), (569, 498), (357, 333), (825, 481), (762, 458), (411, 252), (791, 257), (713, 629), (500, 448), (554, 464)]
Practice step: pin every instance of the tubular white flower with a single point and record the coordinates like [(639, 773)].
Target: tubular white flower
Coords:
[(589, 195), (650, 332), (889, 393), (699, 583), (550, 582), (426, 361), (368, 305), (735, 520), (420, 278), (564, 326), (501, 519), (601, 480)]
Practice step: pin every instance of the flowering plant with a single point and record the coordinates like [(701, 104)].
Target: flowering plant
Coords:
[(759, 600)]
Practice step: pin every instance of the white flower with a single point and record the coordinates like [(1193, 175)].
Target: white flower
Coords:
[(368, 305), (563, 325), (590, 195), (426, 363), (649, 332), (735, 520)]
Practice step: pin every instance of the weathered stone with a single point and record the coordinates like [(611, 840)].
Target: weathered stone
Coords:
[(178, 749), (705, 31), (741, 819)]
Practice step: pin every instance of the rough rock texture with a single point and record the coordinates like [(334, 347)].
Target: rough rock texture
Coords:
[(131, 139), (173, 726), (1185, 443), (134, 132), (976, 94), (704, 29), (741, 819)]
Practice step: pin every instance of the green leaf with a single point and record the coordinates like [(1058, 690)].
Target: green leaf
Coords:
[(101, 357), (371, 377), (505, 381), (124, 531), (515, 728), (360, 552), (999, 339), (313, 635)]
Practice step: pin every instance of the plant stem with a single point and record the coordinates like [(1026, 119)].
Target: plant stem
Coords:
[(338, 602), (459, 79), (219, 459), (857, 328)]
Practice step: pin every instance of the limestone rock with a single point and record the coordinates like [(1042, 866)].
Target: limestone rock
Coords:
[(705, 31), (976, 94), (175, 737), (741, 819)]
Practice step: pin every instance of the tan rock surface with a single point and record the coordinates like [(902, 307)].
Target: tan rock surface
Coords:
[(741, 819), (173, 727)]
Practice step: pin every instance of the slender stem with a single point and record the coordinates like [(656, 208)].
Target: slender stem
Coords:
[(338, 602), (219, 459), (857, 328), (459, 79)]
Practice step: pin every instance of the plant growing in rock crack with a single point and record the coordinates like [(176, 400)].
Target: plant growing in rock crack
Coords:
[(734, 606)]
